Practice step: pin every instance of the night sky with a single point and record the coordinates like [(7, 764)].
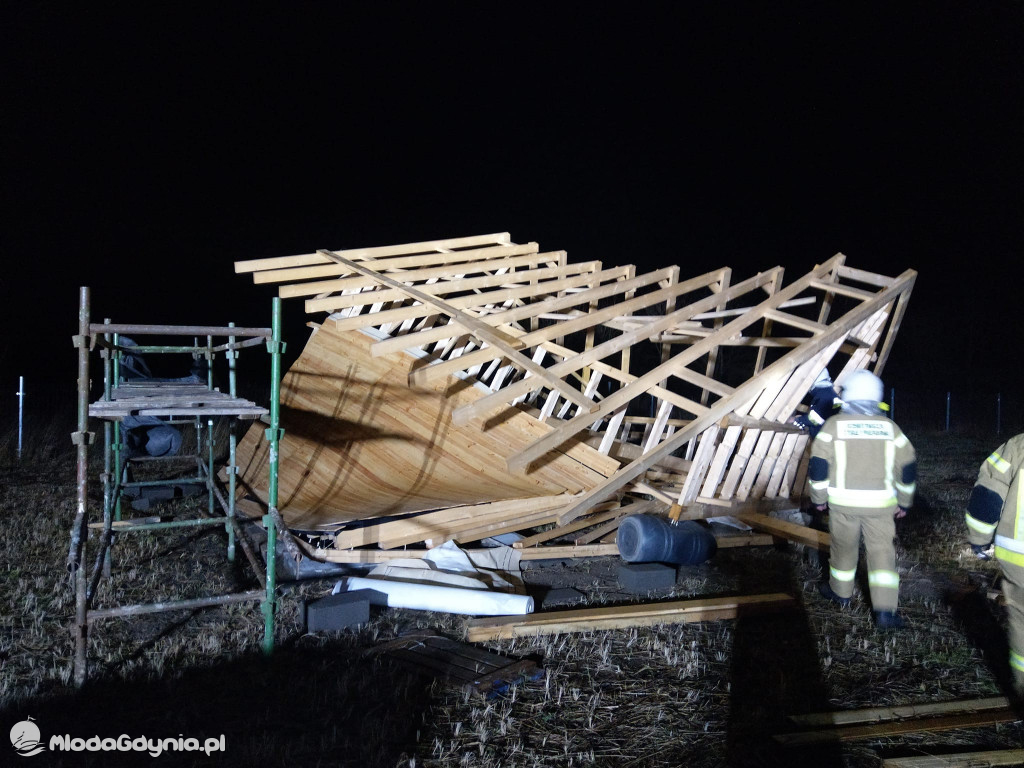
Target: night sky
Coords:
[(144, 151)]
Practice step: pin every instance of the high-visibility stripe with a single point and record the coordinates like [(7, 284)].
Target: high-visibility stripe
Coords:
[(890, 460), (819, 485), (814, 418), (1016, 660), (839, 575), (1014, 545), (840, 465), (1020, 509), (900, 441), (884, 579), (850, 497), (1007, 556), (998, 462), (980, 527), (908, 488), (825, 437)]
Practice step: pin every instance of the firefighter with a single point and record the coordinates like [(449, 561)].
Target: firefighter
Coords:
[(863, 470), (996, 509), (824, 403)]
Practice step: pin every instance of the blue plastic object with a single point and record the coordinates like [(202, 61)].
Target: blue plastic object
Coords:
[(652, 539)]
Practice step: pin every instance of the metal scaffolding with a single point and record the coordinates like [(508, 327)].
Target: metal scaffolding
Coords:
[(173, 402)]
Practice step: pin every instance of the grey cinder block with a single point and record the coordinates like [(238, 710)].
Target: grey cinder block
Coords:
[(646, 577), (337, 612)]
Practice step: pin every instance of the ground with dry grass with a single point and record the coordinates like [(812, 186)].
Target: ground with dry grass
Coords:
[(695, 694)]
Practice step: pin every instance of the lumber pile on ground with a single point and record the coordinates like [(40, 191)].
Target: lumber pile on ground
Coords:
[(469, 387)]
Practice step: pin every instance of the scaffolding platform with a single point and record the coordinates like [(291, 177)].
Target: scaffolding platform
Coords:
[(160, 402)]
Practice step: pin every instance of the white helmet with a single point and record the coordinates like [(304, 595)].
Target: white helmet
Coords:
[(863, 385)]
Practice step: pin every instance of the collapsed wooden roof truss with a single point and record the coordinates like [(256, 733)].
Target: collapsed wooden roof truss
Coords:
[(560, 340)]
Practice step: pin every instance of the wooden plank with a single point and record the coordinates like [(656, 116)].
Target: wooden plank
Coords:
[(511, 525), (570, 276), (436, 258), (843, 290), (898, 727), (386, 555), (115, 524), (432, 525), (584, 522), (959, 759), (620, 343), (900, 712), (894, 326), (479, 329), (794, 321), (621, 617), (722, 455), (569, 551), (701, 462), (862, 276), (607, 290), (744, 540), (446, 275), (376, 252), (395, 293), (787, 530)]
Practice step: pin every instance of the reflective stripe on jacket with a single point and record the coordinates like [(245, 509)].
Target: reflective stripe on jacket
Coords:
[(862, 461), (996, 507)]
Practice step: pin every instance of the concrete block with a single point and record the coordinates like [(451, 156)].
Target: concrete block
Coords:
[(646, 577), (337, 612), (561, 596)]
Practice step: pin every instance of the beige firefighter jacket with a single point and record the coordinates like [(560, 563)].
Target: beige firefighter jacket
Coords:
[(862, 462), (996, 506)]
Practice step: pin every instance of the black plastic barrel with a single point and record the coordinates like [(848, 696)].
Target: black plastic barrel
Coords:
[(651, 539)]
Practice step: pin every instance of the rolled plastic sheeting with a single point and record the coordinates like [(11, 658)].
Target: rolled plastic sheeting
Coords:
[(431, 597)]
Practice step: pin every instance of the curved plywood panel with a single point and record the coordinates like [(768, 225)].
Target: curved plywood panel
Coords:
[(359, 442)]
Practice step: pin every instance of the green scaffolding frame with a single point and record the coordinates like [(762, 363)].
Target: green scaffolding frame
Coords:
[(173, 401)]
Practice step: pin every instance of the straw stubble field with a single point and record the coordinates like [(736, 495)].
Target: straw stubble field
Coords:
[(712, 693)]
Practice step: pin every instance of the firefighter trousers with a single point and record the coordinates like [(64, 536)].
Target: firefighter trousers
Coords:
[(878, 529), (1013, 592)]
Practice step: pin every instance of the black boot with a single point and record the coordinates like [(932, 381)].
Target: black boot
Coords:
[(888, 620), (828, 594)]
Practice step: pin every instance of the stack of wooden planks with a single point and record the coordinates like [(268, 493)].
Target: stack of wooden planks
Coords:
[(470, 387)]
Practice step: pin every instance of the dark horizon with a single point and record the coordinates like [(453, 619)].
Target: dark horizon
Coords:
[(146, 151)]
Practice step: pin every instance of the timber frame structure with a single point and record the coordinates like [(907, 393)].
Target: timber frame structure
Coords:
[(173, 402), (467, 387)]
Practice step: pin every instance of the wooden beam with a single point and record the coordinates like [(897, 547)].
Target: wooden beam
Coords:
[(447, 274), (434, 258), (621, 617), (601, 516), (561, 279), (787, 530), (277, 262), (479, 329), (902, 712), (959, 759), (519, 313), (898, 727), (396, 292)]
